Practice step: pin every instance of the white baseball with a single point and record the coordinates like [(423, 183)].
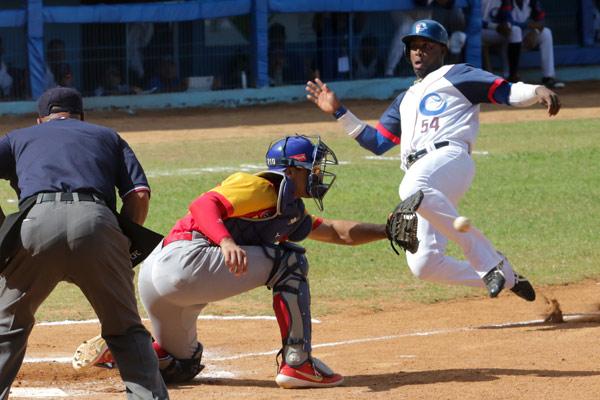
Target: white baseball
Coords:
[(462, 224)]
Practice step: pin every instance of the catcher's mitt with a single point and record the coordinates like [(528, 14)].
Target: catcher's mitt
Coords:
[(401, 227)]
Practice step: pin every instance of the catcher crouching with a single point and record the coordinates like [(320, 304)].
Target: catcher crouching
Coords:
[(238, 236)]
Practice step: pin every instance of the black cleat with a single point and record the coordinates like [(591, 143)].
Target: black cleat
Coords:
[(494, 281), (523, 288)]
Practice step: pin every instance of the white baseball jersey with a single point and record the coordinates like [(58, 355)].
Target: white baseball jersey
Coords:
[(444, 106), (490, 10)]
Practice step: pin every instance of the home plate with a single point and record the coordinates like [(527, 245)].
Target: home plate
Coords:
[(37, 392)]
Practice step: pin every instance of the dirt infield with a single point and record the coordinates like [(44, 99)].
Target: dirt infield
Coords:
[(473, 349), (464, 349)]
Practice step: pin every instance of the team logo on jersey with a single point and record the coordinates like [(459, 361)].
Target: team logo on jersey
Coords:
[(433, 104)]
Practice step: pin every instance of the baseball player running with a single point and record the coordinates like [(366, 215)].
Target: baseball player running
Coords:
[(436, 122), (236, 237)]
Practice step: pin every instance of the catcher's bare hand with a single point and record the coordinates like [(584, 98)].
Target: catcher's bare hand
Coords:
[(235, 256), (320, 94), (549, 99)]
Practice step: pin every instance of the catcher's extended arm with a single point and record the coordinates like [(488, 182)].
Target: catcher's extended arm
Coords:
[(401, 227)]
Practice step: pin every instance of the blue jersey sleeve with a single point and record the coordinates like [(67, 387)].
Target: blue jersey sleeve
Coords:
[(477, 85), (131, 174), (303, 229), (386, 134)]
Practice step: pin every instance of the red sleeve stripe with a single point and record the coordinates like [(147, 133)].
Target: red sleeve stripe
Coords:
[(224, 202), (137, 189), (387, 134), (493, 88), (318, 221)]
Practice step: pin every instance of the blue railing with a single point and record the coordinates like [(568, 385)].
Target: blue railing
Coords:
[(36, 15)]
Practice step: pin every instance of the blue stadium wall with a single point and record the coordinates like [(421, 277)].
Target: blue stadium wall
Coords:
[(27, 23)]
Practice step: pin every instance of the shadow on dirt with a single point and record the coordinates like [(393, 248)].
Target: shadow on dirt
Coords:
[(384, 382), (572, 321), (388, 381)]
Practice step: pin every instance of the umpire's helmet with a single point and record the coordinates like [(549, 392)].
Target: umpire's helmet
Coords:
[(305, 152), (428, 29)]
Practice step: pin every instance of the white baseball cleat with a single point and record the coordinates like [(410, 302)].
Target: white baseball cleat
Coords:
[(312, 374), (92, 352)]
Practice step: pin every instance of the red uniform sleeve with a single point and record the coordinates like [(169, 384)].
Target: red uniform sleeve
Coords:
[(208, 211)]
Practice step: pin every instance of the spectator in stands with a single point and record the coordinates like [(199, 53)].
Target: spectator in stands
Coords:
[(6, 81), (113, 84), (366, 61), (443, 11), (58, 71), (277, 61), (453, 19), (529, 15), (167, 78), (403, 20), (332, 33), (498, 29), (139, 35)]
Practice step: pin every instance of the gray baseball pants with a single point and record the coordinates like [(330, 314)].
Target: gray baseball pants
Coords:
[(81, 243), (176, 282)]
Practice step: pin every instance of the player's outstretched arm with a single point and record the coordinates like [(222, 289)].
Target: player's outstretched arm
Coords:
[(549, 99), (347, 232), (320, 94)]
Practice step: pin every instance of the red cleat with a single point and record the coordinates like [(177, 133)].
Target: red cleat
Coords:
[(312, 374)]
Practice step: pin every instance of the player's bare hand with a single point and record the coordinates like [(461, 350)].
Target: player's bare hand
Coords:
[(549, 99), (235, 256), (320, 94)]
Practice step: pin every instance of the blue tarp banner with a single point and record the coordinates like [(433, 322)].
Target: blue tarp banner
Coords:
[(12, 18), (292, 6), (35, 47), (146, 12)]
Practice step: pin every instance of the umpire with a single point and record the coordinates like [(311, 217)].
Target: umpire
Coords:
[(65, 172)]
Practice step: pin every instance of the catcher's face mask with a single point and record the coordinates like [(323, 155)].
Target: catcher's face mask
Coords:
[(300, 151)]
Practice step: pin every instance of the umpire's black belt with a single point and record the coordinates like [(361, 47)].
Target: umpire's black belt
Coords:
[(68, 197), (413, 157)]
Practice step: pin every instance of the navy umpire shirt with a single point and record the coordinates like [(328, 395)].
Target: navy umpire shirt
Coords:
[(68, 155)]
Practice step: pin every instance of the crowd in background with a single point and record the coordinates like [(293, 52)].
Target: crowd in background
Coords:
[(344, 46)]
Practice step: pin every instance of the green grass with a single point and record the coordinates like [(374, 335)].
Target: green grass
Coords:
[(536, 195)]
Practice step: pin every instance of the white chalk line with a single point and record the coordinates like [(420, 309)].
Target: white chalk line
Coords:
[(38, 392), (211, 372), (340, 343), (200, 317), (397, 158), (253, 167)]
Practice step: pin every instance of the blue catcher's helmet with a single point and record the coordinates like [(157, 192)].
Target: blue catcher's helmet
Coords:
[(302, 152), (428, 29)]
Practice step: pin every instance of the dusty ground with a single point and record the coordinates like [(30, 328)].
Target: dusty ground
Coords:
[(466, 349), (473, 349)]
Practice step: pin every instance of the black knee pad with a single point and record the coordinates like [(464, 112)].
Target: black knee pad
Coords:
[(181, 370)]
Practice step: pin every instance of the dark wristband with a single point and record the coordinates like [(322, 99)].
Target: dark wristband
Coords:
[(339, 112)]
